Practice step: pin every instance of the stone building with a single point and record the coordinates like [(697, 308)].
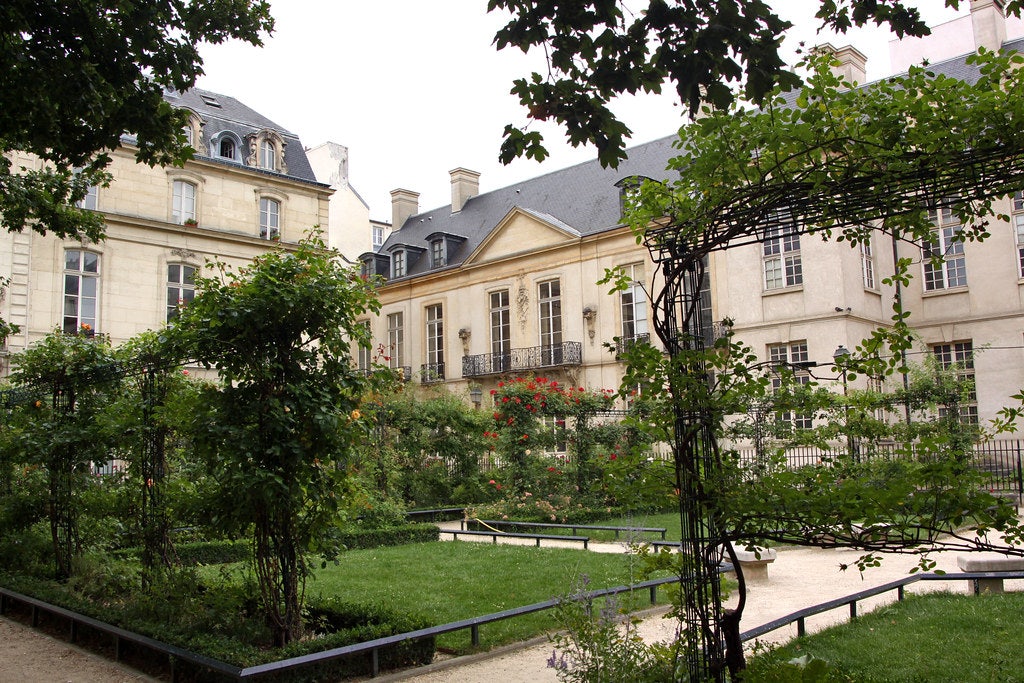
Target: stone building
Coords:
[(249, 188), (504, 282)]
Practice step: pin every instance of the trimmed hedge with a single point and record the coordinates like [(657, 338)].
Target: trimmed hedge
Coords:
[(365, 539), (224, 552)]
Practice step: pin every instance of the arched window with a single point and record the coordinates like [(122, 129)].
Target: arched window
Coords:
[(227, 148), (266, 151), (268, 155)]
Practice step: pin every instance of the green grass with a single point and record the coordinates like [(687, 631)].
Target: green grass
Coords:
[(934, 637), (456, 580)]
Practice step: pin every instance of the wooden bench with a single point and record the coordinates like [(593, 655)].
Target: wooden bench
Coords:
[(504, 534), (988, 563), (573, 527)]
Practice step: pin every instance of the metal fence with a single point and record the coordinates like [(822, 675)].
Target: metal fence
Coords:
[(999, 460)]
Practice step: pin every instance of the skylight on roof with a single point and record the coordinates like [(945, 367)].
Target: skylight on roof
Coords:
[(210, 100)]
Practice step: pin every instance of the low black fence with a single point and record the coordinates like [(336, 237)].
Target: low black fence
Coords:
[(371, 649), (176, 657)]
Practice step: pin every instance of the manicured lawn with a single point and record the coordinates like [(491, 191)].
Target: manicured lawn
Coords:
[(935, 637), (449, 581)]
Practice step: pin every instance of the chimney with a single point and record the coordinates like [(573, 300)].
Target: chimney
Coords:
[(989, 22), (465, 185), (852, 66), (404, 203)]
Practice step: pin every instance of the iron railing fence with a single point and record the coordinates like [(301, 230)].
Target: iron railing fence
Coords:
[(371, 649), (431, 372), (523, 360), (1000, 460)]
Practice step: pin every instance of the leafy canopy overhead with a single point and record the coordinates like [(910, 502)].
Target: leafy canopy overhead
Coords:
[(75, 76), (708, 49)]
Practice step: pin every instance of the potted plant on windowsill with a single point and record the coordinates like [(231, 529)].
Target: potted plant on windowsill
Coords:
[(191, 222)]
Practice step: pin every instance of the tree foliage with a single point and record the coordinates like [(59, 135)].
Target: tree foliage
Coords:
[(707, 49), (69, 380), (76, 76), (279, 334)]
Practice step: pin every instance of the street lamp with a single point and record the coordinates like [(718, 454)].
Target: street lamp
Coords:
[(841, 356), (476, 395)]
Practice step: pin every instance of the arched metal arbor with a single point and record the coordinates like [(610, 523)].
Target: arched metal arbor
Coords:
[(680, 246)]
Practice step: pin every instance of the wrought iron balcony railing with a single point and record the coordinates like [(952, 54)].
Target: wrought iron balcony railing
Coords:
[(623, 344), (431, 372), (523, 360)]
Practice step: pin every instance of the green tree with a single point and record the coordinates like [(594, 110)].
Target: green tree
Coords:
[(66, 382), (840, 163), (708, 49), (279, 334), (76, 76)]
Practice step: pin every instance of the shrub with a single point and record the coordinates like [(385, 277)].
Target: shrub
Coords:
[(356, 539)]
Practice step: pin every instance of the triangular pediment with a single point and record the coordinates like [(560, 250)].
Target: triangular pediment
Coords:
[(522, 231)]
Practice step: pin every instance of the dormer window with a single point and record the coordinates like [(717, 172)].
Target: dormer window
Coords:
[(443, 246), (266, 151), (374, 264), (193, 130), (438, 254), (226, 145), (398, 264)]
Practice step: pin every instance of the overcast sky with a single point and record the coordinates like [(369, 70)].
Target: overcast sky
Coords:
[(415, 89)]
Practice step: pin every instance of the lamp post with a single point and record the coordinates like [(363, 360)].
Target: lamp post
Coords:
[(840, 356), (476, 395)]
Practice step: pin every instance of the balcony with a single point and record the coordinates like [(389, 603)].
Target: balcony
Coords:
[(523, 360), (431, 373), (623, 344)]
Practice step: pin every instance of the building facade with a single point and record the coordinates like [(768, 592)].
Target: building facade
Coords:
[(505, 282), (249, 188)]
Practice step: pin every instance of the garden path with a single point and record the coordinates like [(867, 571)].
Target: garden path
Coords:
[(799, 578)]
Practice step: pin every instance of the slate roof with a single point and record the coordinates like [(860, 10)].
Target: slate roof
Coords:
[(582, 199), (236, 117)]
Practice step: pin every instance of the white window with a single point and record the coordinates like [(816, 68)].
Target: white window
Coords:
[(960, 357), (183, 203), (377, 236), (787, 359), (633, 303), (438, 255), (435, 343), (1018, 227), (943, 255), (91, 198), (867, 265), (782, 264), (364, 358), (270, 218), (268, 155), (549, 302), (181, 287), (398, 264), (396, 340), (501, 331), (81, 291)]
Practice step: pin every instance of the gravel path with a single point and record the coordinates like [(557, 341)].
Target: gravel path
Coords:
[(799, 578)]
